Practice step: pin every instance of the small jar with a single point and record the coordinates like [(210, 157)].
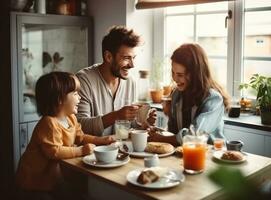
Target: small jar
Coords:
[(40, 6), (64, 7), (143, 86), (152, 161)]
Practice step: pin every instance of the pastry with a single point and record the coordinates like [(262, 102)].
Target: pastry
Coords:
[(147, 176), (179, 151), (232, 155), (151, 174), (159, 147)]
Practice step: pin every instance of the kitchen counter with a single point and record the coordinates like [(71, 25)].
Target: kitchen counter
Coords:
[(245, 120), (112, 184)]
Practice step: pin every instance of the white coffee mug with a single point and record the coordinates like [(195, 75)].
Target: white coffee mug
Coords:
[(139, 140)]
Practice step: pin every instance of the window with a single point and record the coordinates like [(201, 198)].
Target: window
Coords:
[(235, 52), (188, 24), (257, 40)]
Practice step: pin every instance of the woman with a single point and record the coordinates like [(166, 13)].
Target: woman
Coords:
[(197, 96)]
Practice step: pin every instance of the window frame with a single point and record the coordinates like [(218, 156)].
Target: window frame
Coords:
[(235, 47)]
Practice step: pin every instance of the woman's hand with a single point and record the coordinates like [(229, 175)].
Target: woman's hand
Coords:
[(150, 121), (154, 135), (166, 103), (152, 117)]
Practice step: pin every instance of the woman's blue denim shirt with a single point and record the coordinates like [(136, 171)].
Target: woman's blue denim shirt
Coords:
[(211, 109)]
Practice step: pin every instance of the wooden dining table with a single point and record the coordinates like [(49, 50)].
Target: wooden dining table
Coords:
[(111, 183)]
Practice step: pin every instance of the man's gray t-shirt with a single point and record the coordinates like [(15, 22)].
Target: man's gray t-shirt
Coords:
[(97, 99)]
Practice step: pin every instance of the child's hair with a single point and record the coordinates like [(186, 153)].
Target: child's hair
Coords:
[(51, 90)]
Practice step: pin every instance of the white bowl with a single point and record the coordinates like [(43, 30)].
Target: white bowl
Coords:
[(106, 154)]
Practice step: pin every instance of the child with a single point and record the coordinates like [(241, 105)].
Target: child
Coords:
[(57, 135)]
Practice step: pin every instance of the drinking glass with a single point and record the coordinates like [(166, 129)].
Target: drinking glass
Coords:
[(194, 153), (219, 143), (122, 130)]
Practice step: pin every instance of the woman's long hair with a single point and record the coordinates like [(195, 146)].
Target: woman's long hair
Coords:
[(194, 59)]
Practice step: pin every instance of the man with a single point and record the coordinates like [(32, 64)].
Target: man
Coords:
[(107, 92)]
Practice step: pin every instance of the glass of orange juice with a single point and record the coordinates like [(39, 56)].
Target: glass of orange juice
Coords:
[(194, 153), (218, 144)]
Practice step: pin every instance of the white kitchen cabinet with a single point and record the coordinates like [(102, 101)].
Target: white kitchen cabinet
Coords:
[(267, 146), (30, 128), (26, 130), (255, 141)]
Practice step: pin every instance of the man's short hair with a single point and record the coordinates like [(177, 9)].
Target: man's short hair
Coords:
[(118, 36)]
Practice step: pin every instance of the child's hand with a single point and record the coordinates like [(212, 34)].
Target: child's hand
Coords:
[(107, 140), (88, 149)]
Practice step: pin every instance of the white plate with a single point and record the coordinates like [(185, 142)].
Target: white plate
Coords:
[(218, 154), (143, 154), (91, 160), (162, 182)]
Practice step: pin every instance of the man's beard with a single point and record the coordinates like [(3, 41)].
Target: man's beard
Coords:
[(115, 70)]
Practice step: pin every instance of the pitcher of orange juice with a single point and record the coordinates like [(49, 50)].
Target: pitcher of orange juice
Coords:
[(194, 153)]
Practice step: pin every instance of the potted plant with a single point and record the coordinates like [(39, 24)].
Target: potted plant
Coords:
[(156, 79), (262, 85)]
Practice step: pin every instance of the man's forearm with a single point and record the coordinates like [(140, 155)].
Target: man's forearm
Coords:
[(109, 119)]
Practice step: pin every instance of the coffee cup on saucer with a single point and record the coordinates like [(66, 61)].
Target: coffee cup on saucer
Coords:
[(139, 140), (234, 145)]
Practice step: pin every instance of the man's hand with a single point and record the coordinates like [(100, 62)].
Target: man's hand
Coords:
[(128, 112)]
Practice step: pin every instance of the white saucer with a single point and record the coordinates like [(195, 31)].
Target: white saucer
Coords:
[(218, 154), (143, 154), (91, 160), (162, 182)]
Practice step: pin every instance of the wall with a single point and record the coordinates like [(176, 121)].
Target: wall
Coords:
[(6, 146), (105, 13), (142, 22), (123, 12)]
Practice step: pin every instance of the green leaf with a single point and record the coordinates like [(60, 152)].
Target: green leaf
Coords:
[(262, 85), (234, 184)]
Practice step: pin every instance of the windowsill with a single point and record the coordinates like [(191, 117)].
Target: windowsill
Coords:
[(245, 120)]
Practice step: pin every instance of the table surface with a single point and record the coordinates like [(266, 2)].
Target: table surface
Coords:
[(195, 186)]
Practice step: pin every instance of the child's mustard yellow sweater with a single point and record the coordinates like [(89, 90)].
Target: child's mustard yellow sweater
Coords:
[(38, 167)]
